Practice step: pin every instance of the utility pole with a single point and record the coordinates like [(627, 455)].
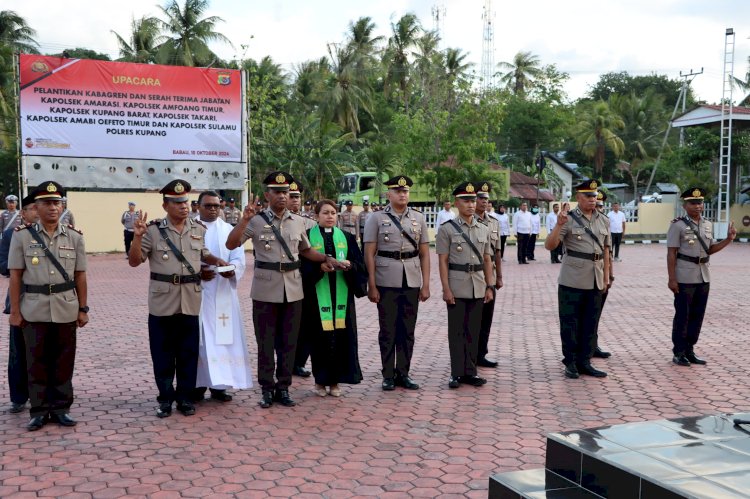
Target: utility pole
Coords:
[(687, 79), (438, 22), (488, 47)]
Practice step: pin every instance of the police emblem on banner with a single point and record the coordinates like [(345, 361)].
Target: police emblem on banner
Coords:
[(224, 78)]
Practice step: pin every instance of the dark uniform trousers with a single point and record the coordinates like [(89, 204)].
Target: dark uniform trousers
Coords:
[(616, 241), (174, 349), (50, 358), (128, 235), (605, 294), (488, 311), (276, 330), (579, 310), (397, 314), (18, 378), (502, 246), (302, 352), (531, 246), (689, 308), (464, 319), (522, 240)]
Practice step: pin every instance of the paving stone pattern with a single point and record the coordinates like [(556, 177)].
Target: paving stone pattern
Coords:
[(434, 442)]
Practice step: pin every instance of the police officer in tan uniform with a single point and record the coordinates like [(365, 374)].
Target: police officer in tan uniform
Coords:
[(48, 300), (174, 247), (690, 242), (279, 239), (348, 219), (601, 197), (466, 272), (11, 217), (398, 263), (583, 277), (488, 308), (232, 214), (362, 220), (295, 204)]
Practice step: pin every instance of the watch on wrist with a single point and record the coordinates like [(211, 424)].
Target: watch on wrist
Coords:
[(490, 286), (85, 309)]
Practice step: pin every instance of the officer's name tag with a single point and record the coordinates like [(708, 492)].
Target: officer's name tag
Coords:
[(193, 236), (67, 248), (36, 245), (386, 224)]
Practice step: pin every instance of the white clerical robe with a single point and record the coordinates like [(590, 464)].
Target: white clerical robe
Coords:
[(223, 360)]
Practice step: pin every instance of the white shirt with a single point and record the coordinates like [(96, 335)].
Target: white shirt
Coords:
[(522, 222), (536, 222), (442, 217), (616, 222), (504, 222), (551, 221)]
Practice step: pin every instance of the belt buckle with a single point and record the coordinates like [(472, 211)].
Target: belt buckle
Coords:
[(50, 289), (175, 279), (597, 257), (281, 269)]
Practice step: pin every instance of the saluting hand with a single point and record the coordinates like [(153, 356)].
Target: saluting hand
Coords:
[(139, 224), (562, 217), (249, 211)]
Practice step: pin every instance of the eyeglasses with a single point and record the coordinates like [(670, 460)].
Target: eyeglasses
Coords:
[(211, 206)]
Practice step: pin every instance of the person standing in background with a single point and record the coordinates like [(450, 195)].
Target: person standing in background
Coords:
[(127, 219), (232, 214), (536, 223), (522, 229), (502, 218), (10, 218), (617, 221), (194, 213), (444, 215), (550, 222), (67, 218)]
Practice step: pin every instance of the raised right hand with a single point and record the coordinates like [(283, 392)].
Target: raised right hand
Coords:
[(562, 217), (139, 224), (249, 211)]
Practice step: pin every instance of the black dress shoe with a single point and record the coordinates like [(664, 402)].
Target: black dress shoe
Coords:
[(681, 360), (198, 394), (164, 410), (695, 360), (36, 423), (221, 395), (485, 362), (266, 400), (472, 380), (186, 408), (590, 370), (406, 382), (63, 419), (453, 382), (15, 408), (301, 372), (601, 354), (283, 398), (388, 384), (571, 371)]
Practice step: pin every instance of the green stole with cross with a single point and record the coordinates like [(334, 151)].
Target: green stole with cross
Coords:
[(328, 320)]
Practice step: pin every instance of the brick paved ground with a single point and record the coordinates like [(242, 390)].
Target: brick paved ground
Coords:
[(429, 443)]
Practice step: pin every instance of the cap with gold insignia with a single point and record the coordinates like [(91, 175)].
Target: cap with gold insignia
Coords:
[(465, 190), (278, 181), (295, 188), (694, 195), (399, 182), (176, 191), (601, 196), (484, 189), (588, 187), (48, 190)]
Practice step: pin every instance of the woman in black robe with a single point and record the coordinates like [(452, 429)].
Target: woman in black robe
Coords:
[(334, 354)]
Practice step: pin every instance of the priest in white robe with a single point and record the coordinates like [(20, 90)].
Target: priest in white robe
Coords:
[(223, 361)]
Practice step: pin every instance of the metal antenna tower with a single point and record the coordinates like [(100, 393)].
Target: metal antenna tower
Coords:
[(725, 148), (438, 21), (488, 46)]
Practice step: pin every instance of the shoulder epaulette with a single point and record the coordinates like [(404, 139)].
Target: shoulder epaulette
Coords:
[(199, 222), (444, 223), (676, 220), (155, 221), (74, 229), (22, 227)]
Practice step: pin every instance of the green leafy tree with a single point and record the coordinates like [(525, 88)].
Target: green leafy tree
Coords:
[(346, 93), (522, 72), (143, 40), (188, 34), (596, 130), (16, 33), (84, 53), (404, 35)]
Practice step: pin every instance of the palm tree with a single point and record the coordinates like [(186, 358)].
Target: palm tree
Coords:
[(404, 36), (427, 62), (596, 131), (363, 43), (523, 70), (455, 70), (309, 82), (144, 37), (188, 34), (345, 92), (14, 32)]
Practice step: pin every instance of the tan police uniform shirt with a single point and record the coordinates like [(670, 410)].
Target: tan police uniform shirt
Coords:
[(577, 272), (380, 229), (494, 230), (10, 220), (348, 222), (165, 298), (450, 242), (67, 245), (362, 220), (232, 215), (272, 285), (685, 239)]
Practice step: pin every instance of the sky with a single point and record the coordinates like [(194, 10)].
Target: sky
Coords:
[(584, 38)]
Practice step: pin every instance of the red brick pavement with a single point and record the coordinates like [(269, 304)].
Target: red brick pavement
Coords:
[(434, 442)]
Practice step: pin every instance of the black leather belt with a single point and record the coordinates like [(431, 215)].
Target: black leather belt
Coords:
[(49, 289), (175, 278), (585, 256), (694, 259), (278, 266), (349, 225), (399, 255), (466, 267)]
